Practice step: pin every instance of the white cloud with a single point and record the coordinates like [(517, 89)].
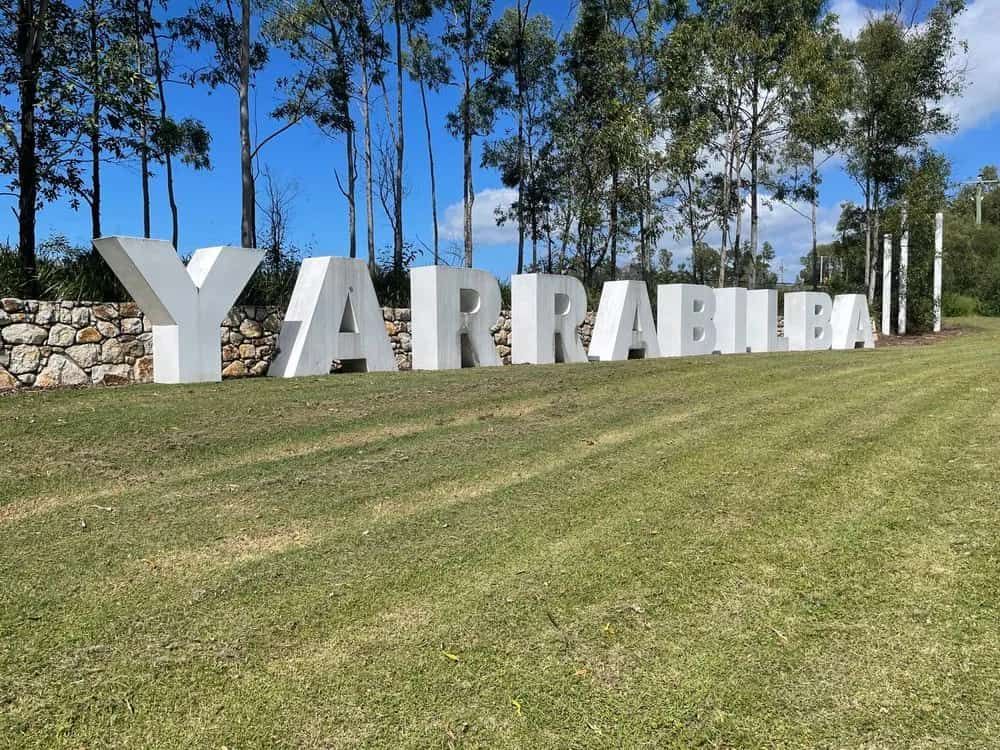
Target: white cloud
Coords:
[(979, 26), (484, 222), (852, 14)]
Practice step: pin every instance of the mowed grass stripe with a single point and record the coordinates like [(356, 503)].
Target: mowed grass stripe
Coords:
[(257, 650)]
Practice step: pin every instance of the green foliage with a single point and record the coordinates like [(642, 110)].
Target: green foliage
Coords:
[(217, 27), (60, 111), (273, 281), (64, 272), (959, 305)]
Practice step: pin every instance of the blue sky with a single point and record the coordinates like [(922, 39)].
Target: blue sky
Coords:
[(302, 157)]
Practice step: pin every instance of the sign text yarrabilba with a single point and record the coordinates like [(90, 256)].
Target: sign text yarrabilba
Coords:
[(335, 315)]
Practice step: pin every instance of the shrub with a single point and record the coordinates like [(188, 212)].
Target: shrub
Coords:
[(64, 272), (959, 305)]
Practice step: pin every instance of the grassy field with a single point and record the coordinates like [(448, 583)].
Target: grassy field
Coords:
[(761, 551)]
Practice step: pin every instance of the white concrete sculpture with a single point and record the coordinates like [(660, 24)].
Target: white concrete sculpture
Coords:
[(684, 313), (887, 285), (333, 315), (453, 312), (807, 321), (546, 310), (904, 260), (938, 252), (762, 322), (731, 320), (624, 323), (185, 306), (850, 323)]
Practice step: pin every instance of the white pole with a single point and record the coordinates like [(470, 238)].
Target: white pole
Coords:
[(904, 257), (887, 286), (938, 252)]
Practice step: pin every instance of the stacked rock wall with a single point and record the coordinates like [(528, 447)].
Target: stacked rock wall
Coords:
[(67, 343)]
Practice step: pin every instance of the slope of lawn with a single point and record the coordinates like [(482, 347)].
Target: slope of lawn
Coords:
[(797, 550)]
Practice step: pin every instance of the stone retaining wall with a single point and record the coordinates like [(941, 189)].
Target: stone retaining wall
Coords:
[(64, 343)]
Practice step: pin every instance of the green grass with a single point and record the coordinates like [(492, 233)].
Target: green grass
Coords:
[(796, 550)]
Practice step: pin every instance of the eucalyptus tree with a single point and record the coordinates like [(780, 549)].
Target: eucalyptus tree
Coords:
[(601, 134), (688, 183), (465, 36), (187, 138), (132, 72), (429, 69), (645, 25), (707, 83), (109, 84), (397, 13), (521, 54), (769, 33), (373, 52), (904, 74), (323, 36), (817, 94), (40, 112), (237, 55)]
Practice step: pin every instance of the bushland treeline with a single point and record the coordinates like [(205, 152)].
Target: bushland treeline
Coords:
[(971, 268), (643, 121)]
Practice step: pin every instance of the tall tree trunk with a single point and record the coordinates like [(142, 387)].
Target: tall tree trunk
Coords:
[(644, 216), (565, 240), (397, 245), (369, 201), (140, 42), (248, 224), (520, 190), (168, 158), (144, 173), (868, 237), (548, 242), (642, 244), (738, 233), (754, 166), (727, 189), (530, 148), (814, 200), (468, 196), (519, 75), (692, 228), (95, 180), (876, 242), (430, 160), (613, 223), (95, 124), (534, 242), (352, 179), (29, 48), (737, 180)]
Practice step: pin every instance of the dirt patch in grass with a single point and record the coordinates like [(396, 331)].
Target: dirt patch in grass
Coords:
[(921, 339)]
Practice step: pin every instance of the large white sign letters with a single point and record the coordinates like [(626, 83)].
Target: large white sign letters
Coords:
[(185, 306), (453, 310), (334, 315), (686, 316), (762, 322), (731, 320), (807, 321), (624, 323), (546, 310), (850, 323)]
